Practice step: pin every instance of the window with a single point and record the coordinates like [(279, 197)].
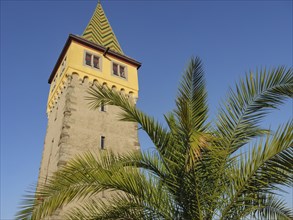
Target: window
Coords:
[(88, 59), (115, 69), (92, 60), (122, 71), (103, 109), (96, 62), (119, 70), (103, 142)]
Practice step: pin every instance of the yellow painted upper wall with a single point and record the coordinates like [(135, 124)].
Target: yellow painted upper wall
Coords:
[(77, 57), (74, 62)]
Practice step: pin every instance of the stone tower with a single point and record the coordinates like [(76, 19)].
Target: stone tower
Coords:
[(94, 57)]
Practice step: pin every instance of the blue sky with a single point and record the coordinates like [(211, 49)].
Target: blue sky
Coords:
[(231, 37)]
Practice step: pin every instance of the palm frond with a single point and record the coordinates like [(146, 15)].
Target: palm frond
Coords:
[(268, 166), (96, 209), (191, 102), (80, 178), (103, 95), (195, 170), (26, 207), (154, 204), (272, 208), (253, 98)]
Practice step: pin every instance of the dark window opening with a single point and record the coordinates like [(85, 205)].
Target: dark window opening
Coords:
[(122, 71), (115, 69), (119, 70), (102, 142), (92, 60), (88, 58), (96, 62), (103, 107)]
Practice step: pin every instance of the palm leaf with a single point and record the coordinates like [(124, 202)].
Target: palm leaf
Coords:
[(155, 131), (240, 115), (273, 208), (268, 166), (195, 170)]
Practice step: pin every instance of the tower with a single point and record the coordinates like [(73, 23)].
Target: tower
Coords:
[(94, 57)]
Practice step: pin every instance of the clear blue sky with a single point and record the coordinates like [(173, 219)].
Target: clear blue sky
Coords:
[(230, 37)]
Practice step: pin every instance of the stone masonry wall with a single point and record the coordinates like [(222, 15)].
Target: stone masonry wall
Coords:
[(73, 128)]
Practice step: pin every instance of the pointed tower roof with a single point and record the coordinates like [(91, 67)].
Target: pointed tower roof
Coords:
[(100, 32)]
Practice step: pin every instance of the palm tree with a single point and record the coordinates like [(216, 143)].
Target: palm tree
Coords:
[(199, 169)]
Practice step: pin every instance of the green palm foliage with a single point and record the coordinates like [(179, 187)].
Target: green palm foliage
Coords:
[(230, 168)]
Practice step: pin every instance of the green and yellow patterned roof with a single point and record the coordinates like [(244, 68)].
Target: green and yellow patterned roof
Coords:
[(99, 31)]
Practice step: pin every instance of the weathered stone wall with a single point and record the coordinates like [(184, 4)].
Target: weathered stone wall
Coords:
[(73, 128)]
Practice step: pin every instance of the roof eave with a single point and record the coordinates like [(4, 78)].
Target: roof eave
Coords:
[(92, 45)]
